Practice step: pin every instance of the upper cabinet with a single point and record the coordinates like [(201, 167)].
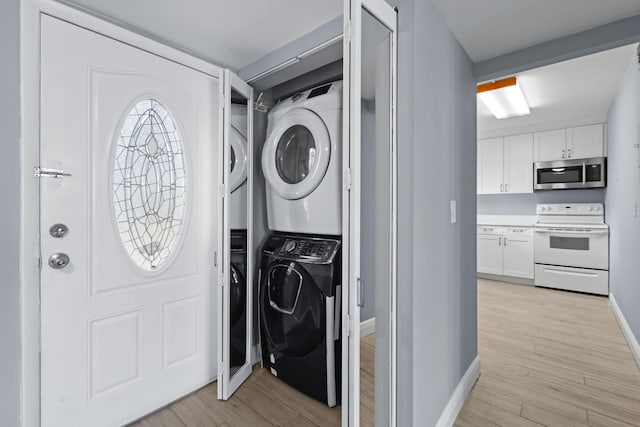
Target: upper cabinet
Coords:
[(550, 145), (585, 141), (518, 164), (505, 165), (572, 143), (490, 166)]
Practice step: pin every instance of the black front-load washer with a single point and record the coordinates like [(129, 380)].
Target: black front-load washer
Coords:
[(238, 297), (300, 313)]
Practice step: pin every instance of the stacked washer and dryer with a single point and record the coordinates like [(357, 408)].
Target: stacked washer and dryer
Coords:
[(300, 269)]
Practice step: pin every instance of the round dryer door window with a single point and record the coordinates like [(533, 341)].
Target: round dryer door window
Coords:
[(296, 155), (237, 159)]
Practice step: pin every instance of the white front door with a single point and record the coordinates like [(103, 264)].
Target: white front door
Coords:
[(128, 292)]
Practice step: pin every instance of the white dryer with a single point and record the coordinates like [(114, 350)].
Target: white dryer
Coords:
[(302, 162), (238, 168)]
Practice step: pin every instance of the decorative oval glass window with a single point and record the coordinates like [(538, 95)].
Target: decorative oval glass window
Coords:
[(149, 184)]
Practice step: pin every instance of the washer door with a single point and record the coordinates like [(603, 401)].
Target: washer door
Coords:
[(293, 310), (238, 156), (238, 294), (296, 155)]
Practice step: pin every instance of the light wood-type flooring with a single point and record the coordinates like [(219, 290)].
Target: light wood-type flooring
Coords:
[(264, 400), (550, 358)]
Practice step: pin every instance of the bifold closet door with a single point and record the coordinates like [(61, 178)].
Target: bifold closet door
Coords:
[(369, 221), (235, 282), (128, 226)]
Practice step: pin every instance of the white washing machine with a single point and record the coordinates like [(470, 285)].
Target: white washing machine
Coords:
[(238, 168), (302, 162)]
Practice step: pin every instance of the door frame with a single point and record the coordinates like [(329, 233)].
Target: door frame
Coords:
[(352, 53), (30, 14)]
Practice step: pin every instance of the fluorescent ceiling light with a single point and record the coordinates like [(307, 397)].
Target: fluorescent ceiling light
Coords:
[(504, 98)]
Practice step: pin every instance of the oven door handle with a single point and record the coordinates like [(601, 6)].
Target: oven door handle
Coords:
[(572, 231)]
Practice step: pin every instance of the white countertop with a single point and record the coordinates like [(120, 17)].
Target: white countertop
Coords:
[(507, 220)]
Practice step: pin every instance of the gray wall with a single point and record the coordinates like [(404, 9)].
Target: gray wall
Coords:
[(525, 204), (622, 193), (437, 260), (10, 213)]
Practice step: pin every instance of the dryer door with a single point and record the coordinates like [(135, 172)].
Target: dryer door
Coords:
[(237, 160), (296, 155), (292, 309)]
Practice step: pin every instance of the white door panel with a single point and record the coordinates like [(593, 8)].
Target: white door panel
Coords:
[(518, 256), (231, 377), (127, 325), (584, 142)]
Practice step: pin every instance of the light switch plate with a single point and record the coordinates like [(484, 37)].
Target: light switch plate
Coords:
[(454, 214)]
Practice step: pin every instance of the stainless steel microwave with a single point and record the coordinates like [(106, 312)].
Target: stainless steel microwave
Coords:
[(574, 173)]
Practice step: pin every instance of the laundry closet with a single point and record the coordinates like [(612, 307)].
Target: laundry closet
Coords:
[(293, 296)]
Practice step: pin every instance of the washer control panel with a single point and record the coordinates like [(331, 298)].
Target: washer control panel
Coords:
[(308, 249)]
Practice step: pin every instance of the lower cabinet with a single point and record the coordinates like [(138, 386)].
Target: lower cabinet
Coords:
[(506, 251)]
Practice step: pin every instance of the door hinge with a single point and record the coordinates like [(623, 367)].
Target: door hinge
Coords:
[(347, 31), (223, 190), (347, 179), (39, 172), (221, 280), (40, 263)]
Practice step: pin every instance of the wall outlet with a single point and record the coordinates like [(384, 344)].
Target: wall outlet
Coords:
[(454, 213)]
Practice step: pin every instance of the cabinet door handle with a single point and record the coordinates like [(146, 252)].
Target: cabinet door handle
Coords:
[(501, 188), (504, 240), (562, 154), (499, 241), (569, 153), (506, 188)]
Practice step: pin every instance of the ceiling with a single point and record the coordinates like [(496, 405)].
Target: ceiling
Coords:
[(491, 28), (228, 33), (570, 93)]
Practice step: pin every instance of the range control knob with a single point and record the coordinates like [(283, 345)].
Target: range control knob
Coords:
[(290, 246)]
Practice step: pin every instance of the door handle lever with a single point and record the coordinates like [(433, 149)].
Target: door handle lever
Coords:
[(360, 298)]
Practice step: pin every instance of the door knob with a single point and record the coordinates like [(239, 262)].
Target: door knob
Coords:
[(58, 260)]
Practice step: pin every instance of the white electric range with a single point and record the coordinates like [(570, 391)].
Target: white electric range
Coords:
[(572, 247)]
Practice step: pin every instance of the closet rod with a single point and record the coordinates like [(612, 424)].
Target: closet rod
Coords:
[(296, 59)]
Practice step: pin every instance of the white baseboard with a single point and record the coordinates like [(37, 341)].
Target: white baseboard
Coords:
[(459, 396), (367, 327), (626, 329)]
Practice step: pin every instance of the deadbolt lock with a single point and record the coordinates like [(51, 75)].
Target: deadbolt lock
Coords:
[(58, 230)]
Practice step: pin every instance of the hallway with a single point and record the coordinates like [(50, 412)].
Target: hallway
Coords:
[(550, 358)]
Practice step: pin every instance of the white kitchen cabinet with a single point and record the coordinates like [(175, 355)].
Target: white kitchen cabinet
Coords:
[(505, 165), (581, 142), (584, 142), (550, 145), (518, 164), (490, 166), (506, 251), (517, 253), (490, 254)]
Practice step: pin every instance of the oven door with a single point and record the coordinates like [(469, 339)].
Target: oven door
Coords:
[(572, 247), (563, 174)]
